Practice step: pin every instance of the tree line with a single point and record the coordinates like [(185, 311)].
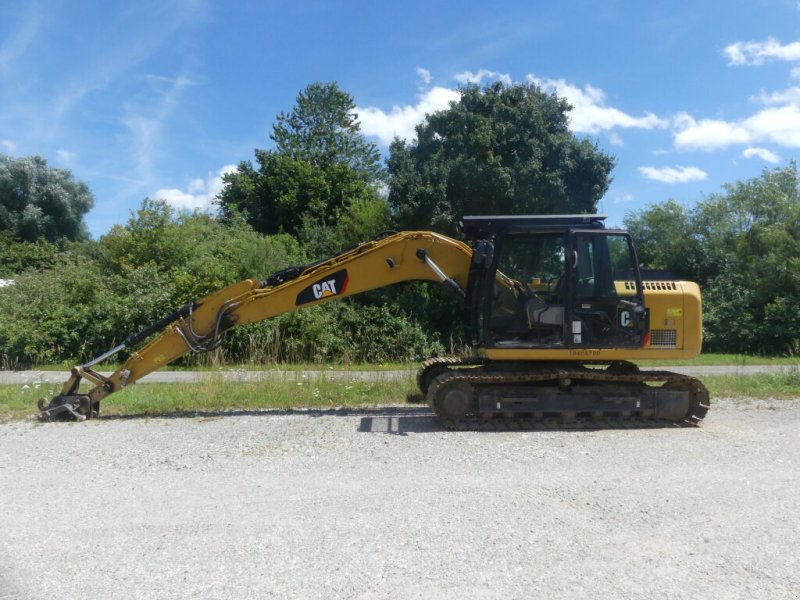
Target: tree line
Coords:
[(321, 187)]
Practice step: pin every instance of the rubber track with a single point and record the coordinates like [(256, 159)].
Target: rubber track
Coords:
[(699, 403)]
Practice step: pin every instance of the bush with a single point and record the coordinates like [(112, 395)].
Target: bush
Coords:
[(743, 248), (16, 256), (95, 294)]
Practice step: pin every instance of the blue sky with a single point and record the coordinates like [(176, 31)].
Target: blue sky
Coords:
[(157, 99)]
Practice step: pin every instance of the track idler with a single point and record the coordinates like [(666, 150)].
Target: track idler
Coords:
[(68, 408)]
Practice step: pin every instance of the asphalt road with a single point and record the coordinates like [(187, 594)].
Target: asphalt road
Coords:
[(384, 504)]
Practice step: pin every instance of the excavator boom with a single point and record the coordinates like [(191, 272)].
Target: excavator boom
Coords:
[(200, 326)]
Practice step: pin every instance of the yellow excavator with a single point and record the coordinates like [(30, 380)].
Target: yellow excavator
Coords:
[(554, 306)]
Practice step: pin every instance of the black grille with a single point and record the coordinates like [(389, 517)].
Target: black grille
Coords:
[(663, 337), (652, 285)]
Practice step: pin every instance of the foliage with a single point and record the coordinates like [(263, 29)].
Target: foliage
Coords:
[(365, 218), (498, 150), (200, 253), (743, 247), (16, 256), (96, 294), (321, 166), (323, 130), (284, 192), (37, 201), (345, 331)]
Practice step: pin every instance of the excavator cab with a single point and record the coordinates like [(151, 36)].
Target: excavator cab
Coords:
[(553, 282)]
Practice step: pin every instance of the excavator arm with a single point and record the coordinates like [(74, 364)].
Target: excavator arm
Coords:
[(200, 325)]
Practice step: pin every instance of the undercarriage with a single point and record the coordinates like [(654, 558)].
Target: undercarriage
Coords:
[(473, 394)]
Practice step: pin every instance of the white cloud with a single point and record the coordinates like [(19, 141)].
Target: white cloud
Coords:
[(199, 194), (788, 96), (8, 146), (762, 153), (196, 185), (480, 75), (589, 112), (795, 73), (65, 156), (424, 76), (624, 199), (401, 120), (707, 134), (673, 174), (757, 53), (778, 123)]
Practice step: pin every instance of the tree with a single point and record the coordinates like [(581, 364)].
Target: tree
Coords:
[(323, 131), (320, 166), (665, 239), (498, 150), (37, 201), (743, 248)]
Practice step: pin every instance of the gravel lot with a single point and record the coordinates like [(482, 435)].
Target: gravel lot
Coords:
[(383, 504)]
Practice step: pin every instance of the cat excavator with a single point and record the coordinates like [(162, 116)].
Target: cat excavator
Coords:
[(555, 308)]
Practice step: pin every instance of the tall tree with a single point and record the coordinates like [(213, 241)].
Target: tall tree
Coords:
[(321, 165), (498, 150), (37, 201), (323, 130)]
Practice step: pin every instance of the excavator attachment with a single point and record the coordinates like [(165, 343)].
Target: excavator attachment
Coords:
[(66, 408)]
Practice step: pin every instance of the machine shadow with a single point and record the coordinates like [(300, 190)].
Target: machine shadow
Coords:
[(400, 420)]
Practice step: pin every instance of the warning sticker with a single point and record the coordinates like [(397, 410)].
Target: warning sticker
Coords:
[(674, 312)]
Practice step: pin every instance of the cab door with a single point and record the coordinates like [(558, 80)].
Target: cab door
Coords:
[(605, 298)]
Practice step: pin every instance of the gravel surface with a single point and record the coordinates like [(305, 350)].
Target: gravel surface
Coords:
[(384, 504)]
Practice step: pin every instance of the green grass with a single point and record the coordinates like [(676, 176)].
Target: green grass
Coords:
[(778, 386), (216, 395), (104, 367), (725, 360), (702, 360)]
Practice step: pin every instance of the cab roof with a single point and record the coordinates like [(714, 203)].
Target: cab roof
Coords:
[(483, 225)]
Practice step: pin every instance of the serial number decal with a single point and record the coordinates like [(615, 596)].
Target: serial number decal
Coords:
[(333, 285), (584, 352)]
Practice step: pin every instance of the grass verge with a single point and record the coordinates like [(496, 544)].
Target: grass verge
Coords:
[(702, 360), (214, 394), (217, 395)]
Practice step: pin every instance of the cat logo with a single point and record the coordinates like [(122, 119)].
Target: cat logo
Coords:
[(326, 288), (333, 285)]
